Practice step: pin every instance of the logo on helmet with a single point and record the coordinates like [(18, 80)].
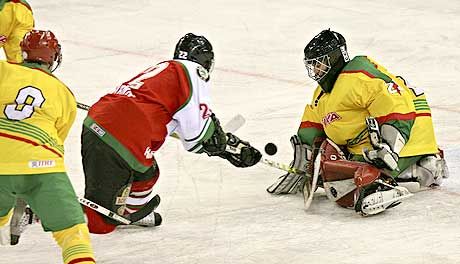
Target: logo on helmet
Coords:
[(3, 39), (343, 49)]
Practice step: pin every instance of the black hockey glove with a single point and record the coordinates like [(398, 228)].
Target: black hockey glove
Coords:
[(240, 153), (216, 144)]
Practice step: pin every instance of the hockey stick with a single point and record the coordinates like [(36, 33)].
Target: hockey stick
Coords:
[(17, 227), (316, 168), (83, 106), (281, 166), (103, 210), (134, 217), (231, 126), (269, 162)]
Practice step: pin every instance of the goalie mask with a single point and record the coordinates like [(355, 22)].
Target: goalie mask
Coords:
[(42, 47), (197, 49), (325, 54)]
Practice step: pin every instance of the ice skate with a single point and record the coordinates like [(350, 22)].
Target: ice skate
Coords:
[(379, 201)]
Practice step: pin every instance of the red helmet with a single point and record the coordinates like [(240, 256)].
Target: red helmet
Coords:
[(41, 46)]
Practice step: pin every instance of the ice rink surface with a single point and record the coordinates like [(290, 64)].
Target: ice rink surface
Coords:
[(215, 213)]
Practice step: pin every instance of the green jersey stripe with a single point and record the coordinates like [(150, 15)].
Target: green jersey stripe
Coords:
[(189, 86), (32, 135), (422, 108), (40, 134), (115, 144)]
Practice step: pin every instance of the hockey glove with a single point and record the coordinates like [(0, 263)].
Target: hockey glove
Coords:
[(383, 157), (241, 153), (216, 144), (386, 145)]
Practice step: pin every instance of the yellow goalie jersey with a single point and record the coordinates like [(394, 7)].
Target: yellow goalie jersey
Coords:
[(364, 88), (37, 111)]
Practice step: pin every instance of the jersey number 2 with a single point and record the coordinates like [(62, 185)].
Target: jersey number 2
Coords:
[(27, 99)]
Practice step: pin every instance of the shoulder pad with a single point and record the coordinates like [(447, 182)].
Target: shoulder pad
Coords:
[(202, 73)]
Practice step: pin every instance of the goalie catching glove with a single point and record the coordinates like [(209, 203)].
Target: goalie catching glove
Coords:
[(228, 146)]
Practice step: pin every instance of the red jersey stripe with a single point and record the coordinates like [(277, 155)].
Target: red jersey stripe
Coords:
[(79, 260), (396, 116), (28, 141), (308, 124)]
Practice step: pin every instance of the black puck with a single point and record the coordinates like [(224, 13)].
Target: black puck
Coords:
[(271, 149)]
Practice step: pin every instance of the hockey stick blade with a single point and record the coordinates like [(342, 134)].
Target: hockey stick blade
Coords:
[(234, 124), (103, 210), (280, 166), (231, 126)]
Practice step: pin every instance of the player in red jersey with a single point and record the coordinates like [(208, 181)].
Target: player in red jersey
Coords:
[(124, 129)]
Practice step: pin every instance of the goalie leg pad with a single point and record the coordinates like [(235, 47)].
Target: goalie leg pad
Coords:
[(289, 182), (342, 178), (428, 171)]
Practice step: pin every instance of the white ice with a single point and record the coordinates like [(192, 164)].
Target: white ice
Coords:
[(215, 213)]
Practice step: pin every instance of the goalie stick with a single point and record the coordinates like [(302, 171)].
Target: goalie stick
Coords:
[(309, 189), (281, 166)]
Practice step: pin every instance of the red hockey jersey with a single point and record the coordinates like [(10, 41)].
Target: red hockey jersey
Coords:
[(172, 96)]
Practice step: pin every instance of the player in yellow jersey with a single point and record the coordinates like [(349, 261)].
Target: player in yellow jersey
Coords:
[(16, 19), (37, 111), (370, 116)]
